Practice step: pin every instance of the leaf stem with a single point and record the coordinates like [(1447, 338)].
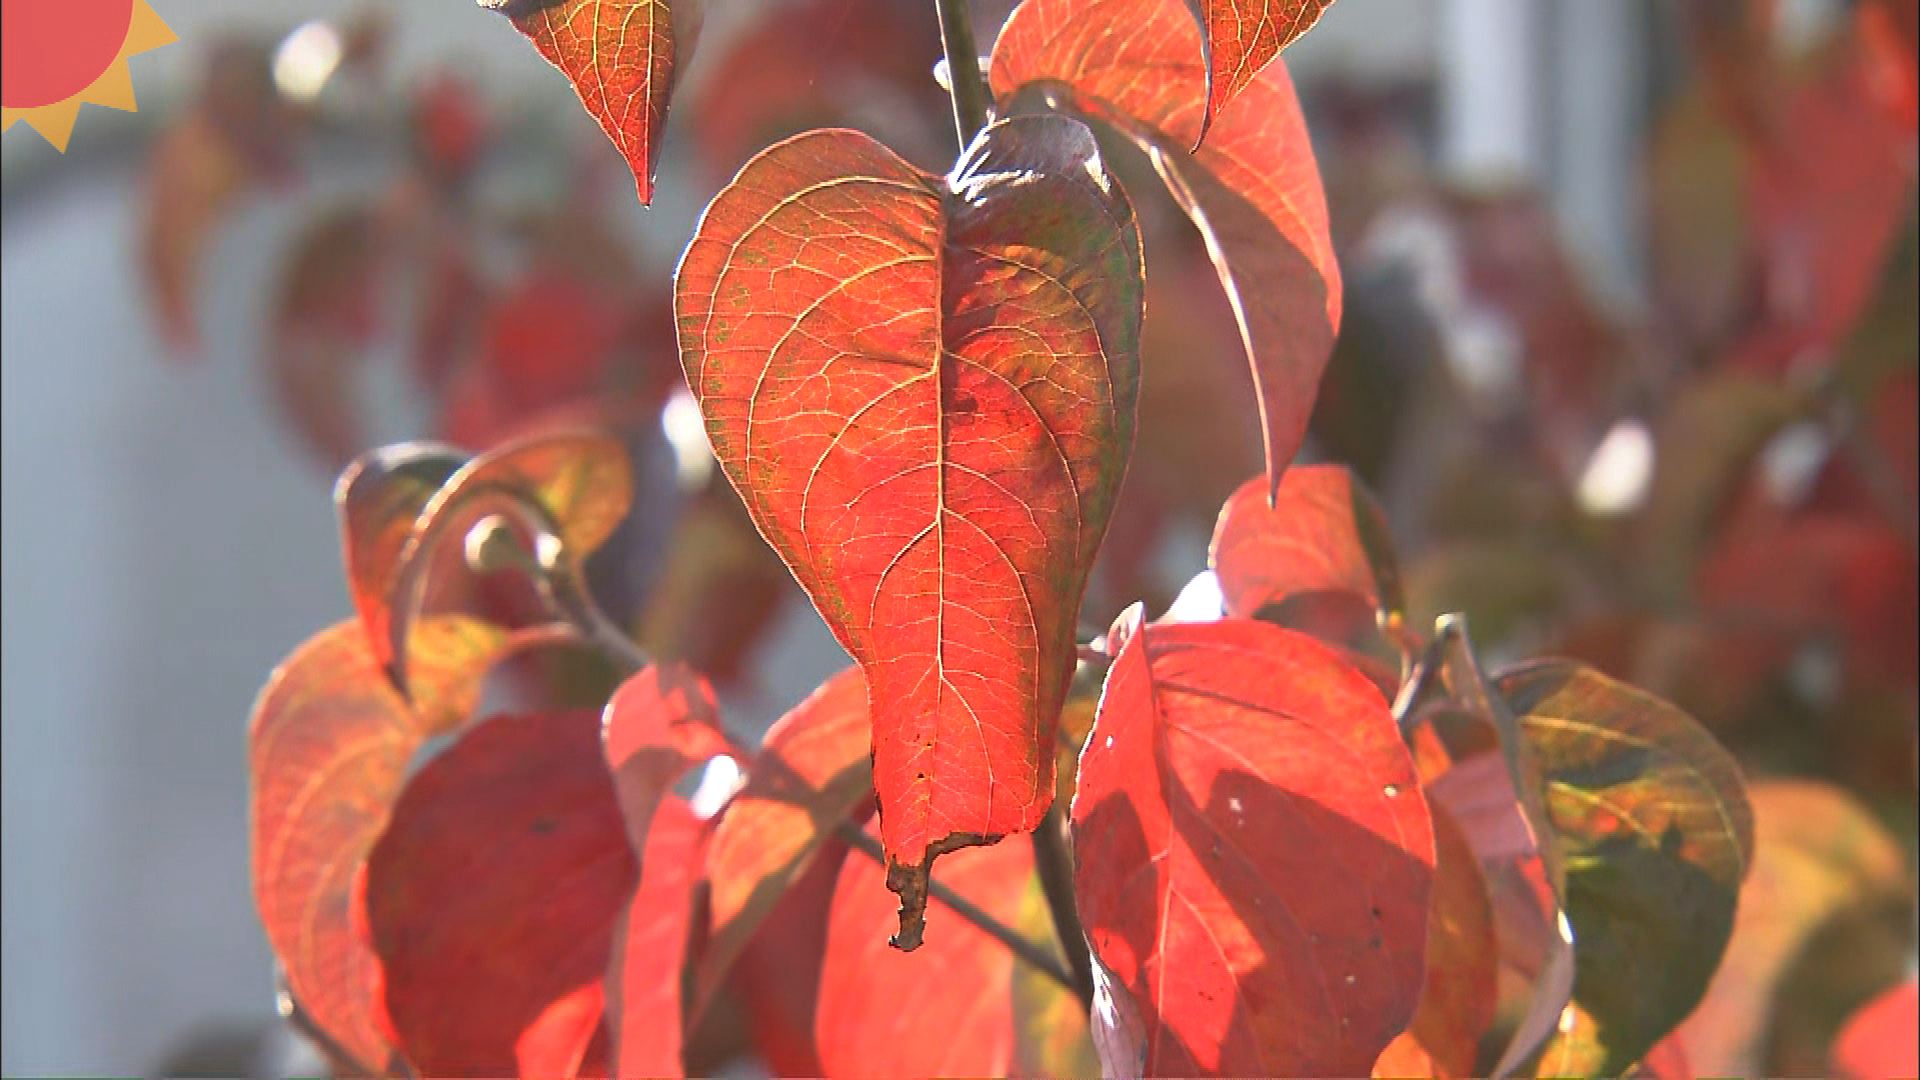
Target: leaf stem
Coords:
[(964, 83), (1023, 947), (1055, 863)]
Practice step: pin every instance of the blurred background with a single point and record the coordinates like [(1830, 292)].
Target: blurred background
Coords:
[(1629, 355)]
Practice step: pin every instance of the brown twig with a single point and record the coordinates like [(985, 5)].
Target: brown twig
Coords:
[(964, 84)]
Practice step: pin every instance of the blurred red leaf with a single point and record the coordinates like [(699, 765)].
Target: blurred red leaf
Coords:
[(1240, 37), (323, 322), (948, 1009), (1253, 856), (621, 57), (329, 746), (1458, 999), (1325, 531), (473, 956), (1883, 1038), (1252, 189), (195, 177), (923, 389), (718, 592), (812, 772)]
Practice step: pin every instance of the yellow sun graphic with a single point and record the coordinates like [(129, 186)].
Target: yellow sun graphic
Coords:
[(62, 54)]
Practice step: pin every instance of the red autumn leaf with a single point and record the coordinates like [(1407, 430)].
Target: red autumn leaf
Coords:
[(776, 978), (1324, 532), (1457, 1003), (1881, 1038), (378, 497), (660, 723), (1253, 855), (575, 485), (475, 956), (812, 772), (923, 389), (648, 1014), (1252, 189), (621, 57), (948, 1009), (329, 747), (1240, 37)]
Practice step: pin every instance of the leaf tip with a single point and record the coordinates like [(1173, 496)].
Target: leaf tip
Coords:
[(910, 884)]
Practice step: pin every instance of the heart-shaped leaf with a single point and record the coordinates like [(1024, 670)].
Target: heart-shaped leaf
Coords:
[(812, 772), (1252, 189), (1324, 531), (329, 747), (1253, 855), (492, 898), (923, 388), (621, 57), (1651, 820), (1240, 37), (948, 1010)]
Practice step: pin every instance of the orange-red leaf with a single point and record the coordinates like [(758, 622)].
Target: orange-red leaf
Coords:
[(329, 747), (621, 57), (648, 1014), (1253, 189), (813, 771), (378, 497), (923, 389), (493, 893), (1457, 1003), (1253, 853), (1324, 532), (1240, 37), (948, 1009), (1882, 1038)]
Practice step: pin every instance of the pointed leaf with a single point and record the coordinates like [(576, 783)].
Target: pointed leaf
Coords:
[(923, 389), (493, 893), (1651, 819), (1325, 531), (1457, 1002), (329, 747), (378, 497), (646, 1013), (948, 1009), (1253, 853), (1240, 37), (621, 57), (812, 772), (1252, 189)]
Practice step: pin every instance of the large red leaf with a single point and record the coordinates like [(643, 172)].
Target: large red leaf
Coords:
[(923, 389), (1881, 1038), (621, 57), (949, 1009), (1325, 531), (1240, 37), (493, 893), (1252, 189), (1253, 853), (329, 747), (648, 1013), (813, 771)]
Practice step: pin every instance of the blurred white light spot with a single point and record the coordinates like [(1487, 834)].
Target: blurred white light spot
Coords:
[(1483, 352), (718, 782), (306, 59), (1816, 673), (1569, 1017), (1792, 460), (1200, 600), (687, 433), (1619, 472)]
